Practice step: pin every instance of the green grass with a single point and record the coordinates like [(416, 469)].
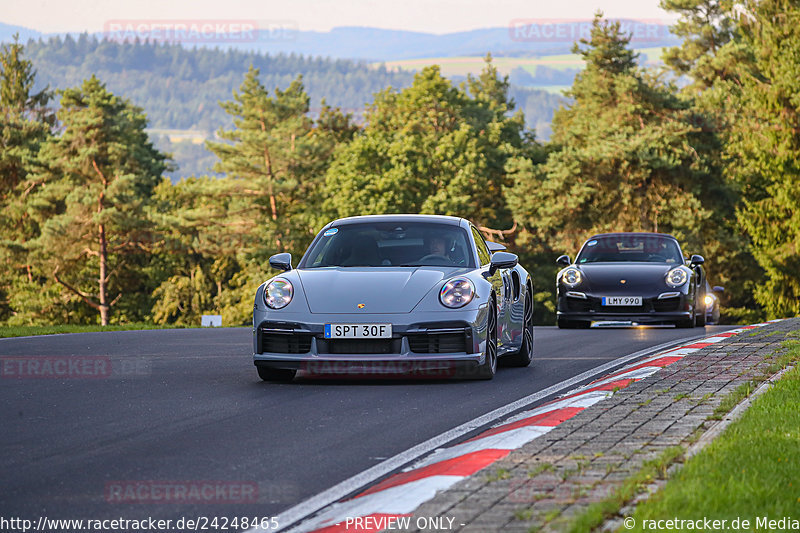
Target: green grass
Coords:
[(463, 65), (28, 331), (653, 54), (544, 467), (597, 512), (523, 514), (751, 470), (732, 400), (501, 473)]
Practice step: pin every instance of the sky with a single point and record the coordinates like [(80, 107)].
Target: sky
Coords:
[(430, 16)]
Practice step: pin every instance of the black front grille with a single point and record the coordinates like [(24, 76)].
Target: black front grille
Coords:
[(622, 309), (359, 346), (285, 343), (580, 305), (438, 343), (667, 304)]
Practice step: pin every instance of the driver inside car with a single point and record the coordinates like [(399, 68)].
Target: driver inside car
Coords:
[(443, 249), (437, 246)]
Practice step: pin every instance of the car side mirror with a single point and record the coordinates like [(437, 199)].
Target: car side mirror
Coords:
[(495, 246), (696, 260), (502, 260), (281, 261), (564, 260), (717, 288)]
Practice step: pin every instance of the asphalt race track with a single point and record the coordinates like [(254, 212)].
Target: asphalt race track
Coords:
[(172, 410)]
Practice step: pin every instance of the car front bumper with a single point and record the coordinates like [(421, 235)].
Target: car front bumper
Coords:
[(439, 344), (654, 310)]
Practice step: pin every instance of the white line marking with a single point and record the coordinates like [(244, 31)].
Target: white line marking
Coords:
[(582, 401), (304, 509), (506, 440), (401, 499)]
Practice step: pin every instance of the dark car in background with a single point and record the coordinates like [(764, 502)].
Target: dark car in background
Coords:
[(712, 304), (387, 294), (641, 278)]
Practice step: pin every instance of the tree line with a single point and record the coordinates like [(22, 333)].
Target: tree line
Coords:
[(180, 87), (706, 150)]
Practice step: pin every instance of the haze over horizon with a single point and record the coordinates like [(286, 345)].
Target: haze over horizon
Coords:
[(437, 17)]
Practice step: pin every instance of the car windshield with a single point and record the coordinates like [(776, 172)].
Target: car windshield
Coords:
[(388, 244), (630, 248)]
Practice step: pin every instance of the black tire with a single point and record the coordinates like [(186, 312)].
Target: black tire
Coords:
[(688, 323), (489, 367), (275, 374), (524, 356), (701, 320), (563, 323)]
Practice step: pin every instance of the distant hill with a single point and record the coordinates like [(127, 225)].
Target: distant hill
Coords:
[(525, 38), (521, 38), (7, 32), (181, 88)]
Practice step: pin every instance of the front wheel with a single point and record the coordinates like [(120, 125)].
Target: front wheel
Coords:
[(688, 323), (524, 356), (489, 367), (700, 321), (275, 374)]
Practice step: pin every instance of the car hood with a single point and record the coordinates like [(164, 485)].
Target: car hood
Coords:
[(380, 290), (637, 276)]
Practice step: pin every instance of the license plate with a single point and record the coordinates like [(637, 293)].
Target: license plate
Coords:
[(622, 300), (358, 331)]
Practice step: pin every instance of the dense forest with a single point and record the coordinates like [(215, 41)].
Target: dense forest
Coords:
[(92, 232), (180, 88)]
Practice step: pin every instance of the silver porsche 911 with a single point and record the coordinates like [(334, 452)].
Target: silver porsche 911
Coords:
[(423, 295)]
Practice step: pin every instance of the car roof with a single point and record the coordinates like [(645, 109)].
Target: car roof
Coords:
[(631, 233), (439, 219)]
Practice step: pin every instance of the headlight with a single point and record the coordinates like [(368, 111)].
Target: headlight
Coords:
[(677, 277), (571, 277), (709, 300), (456, 293), (278, 293)]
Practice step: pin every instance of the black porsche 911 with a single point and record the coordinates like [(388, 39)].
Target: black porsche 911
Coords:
[(641, 278)]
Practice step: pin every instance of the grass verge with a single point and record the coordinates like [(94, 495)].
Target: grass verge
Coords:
[(28, 331), (597, 512), (751, 472), (765, 437)]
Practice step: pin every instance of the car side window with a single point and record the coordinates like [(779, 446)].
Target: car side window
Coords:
[(484, 255)]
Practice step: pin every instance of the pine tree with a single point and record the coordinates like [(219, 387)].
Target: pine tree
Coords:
[(101, 175), (270, 152), (430, 148), (705, 27), (218, 233), (25, 122), (626, 155), (763, 149)]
